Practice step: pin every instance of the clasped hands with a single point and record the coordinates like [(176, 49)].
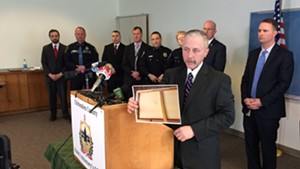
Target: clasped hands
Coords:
[(80, 68), (155, 79), (253, 103), (55, 77), (183, 133)]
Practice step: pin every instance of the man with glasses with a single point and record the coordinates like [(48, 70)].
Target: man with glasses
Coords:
[(216, 56)]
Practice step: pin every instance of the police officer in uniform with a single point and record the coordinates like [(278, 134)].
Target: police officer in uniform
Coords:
[(79, 57), (152, 65)]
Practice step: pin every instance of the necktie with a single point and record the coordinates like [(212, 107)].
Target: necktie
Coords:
[(115, 49), (188, 85), (80, 56), (259, 66), (55, 51), (136, 50)]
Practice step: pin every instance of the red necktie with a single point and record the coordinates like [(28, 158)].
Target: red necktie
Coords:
[(55, 52)]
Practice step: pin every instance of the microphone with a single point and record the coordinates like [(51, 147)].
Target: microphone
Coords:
[(117, 94), (103, 73), (95, 66)]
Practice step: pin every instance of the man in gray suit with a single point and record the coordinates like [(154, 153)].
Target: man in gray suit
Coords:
[(206, 104), (54, 64)]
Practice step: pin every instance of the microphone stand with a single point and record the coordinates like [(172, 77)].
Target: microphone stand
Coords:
[(100, 100)]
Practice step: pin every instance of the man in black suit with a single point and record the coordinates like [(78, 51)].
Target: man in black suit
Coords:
[(216, 56), (206, 105), (79, 57), (54, 65), (132, 54), (263, 95), (113, 54)]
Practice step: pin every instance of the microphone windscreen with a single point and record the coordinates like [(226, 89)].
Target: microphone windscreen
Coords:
[(119, 94)]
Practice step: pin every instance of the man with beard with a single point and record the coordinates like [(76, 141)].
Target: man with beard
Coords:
[(53, 65)]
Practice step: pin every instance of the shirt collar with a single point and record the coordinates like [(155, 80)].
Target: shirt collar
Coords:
[(195, 71), (55, 44), (209, 41), (269, 49)]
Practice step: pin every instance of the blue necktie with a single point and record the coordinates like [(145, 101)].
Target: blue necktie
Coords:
[(80, 56), (188, 85), (259, 66)]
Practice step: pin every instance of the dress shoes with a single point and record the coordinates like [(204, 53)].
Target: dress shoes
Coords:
[(52, 118), (68, 118)]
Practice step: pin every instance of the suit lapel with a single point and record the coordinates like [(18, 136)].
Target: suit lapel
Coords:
[(271, 56), (212, 43), (141, 51), (181, 85)]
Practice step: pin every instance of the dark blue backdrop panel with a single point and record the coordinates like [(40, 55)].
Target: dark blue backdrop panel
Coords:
[(291, 21)]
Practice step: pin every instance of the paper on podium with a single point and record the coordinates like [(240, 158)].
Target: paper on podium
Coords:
[(157, 104)]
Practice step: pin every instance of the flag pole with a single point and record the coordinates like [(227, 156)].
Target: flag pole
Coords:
[(278, 151)]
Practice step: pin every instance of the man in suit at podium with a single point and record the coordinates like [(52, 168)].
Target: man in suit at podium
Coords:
[(206, 105), (267, 76), (216, 56), (53, 63), (113, 54)]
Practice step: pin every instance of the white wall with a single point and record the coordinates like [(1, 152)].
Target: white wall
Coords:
[(25, 25), (232, 18)]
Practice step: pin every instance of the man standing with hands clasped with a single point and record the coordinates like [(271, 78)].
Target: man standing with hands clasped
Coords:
[(206, 106), (79, 57), (53, 65), (268, 75)]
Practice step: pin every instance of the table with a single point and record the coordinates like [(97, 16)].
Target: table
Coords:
[(61, 156), (2, 84)]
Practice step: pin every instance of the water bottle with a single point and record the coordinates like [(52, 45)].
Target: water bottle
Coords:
[(86, 81), (24, 64)]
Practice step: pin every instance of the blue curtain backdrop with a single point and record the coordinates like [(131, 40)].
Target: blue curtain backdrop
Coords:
[(291, 19)]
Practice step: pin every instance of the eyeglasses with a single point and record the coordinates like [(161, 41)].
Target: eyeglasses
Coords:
[(208, 29)]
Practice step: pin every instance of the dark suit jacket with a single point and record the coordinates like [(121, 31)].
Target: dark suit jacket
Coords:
[(129, 60), (216, 56), (274, 81), (209, 109), (49, 63), (108, 55)]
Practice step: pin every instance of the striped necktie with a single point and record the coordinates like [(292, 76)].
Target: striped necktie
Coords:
[(188, 85)]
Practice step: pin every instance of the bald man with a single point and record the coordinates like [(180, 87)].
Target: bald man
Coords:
[(216, 56)]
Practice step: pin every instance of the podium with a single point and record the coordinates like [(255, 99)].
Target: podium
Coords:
[(127, 144)]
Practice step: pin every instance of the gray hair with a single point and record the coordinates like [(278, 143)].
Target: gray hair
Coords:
[(197, 32)]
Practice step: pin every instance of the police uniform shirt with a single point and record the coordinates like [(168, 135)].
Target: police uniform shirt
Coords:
[(175, 59), (89, 52), (154, 61)]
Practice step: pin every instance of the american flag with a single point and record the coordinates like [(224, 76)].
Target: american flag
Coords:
[(280, 37)]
